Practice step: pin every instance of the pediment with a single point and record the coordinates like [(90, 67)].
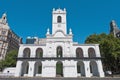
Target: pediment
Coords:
[(59, 33)]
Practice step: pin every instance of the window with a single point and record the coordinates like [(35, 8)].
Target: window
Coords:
[(3, 32), (91, 53), (3, 17), (0, 54), (0, 44), (79, 53), (59, 51), (26, 53), (2, 38), (59, 19), (39, 53)]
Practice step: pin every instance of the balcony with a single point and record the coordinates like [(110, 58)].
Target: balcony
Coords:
[(58, 58)]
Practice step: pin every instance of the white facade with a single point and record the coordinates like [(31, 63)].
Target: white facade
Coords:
[(8, 72), (58, 55)]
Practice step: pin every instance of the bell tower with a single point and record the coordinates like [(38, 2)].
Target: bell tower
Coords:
[(59, 21)]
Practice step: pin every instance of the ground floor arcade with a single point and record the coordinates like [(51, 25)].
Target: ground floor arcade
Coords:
[(65, 68)]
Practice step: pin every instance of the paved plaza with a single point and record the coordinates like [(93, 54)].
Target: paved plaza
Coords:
[(38, 78)]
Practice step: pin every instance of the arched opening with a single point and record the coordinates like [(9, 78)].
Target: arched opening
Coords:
[(59, 19), (59, 51), (91, 53), (25, 69), (79, 53), (26, 53), (38, 69), (80, 68), (39, 53), (94, 68), (59, 69)]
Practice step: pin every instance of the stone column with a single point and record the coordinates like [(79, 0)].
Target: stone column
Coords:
[(85, 51), (31, 68), (33, 53), (18, 69), (87, 69), (97, 51), (100, 69)]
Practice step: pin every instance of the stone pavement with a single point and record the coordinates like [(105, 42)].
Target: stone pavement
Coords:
[(38, 78)]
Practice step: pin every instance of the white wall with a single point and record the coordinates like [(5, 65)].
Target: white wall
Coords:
[(10, 70)]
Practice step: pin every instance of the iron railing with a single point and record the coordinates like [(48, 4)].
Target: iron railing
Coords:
[(58, 58)]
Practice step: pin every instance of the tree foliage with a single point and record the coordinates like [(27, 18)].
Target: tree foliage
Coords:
[(110, 50), (10, 59)]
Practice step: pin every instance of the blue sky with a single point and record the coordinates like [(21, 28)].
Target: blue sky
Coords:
[(85, 17)]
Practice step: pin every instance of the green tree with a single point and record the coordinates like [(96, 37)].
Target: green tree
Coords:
[(110, 50), (1, 65), (10, 59)]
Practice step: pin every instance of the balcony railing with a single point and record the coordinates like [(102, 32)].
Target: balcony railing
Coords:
[(58, 58)]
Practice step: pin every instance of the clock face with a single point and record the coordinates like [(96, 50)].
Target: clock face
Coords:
[(59, 25)]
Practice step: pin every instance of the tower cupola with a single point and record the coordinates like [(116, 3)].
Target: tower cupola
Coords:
[(59, 20)]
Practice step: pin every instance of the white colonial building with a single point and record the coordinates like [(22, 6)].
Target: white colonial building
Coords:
[(57, 55)]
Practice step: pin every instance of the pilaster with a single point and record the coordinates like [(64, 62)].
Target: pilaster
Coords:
[(100, 69), (87, 69), (18, 69), (31, 68)]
